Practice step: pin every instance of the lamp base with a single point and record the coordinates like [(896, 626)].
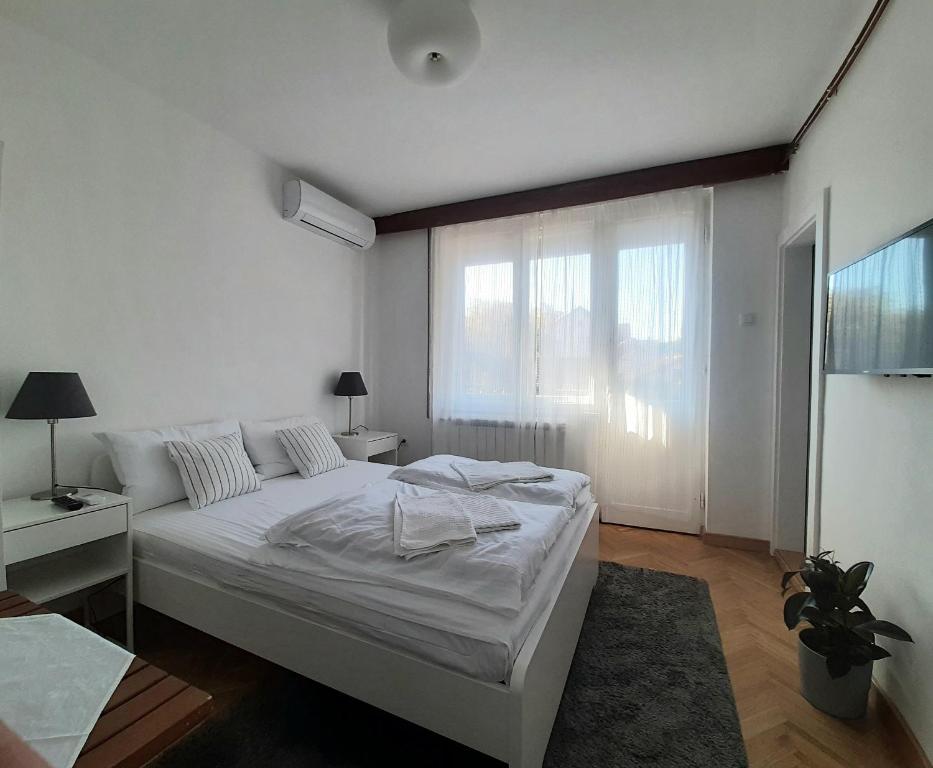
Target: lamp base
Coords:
[(51, 493), (349, 434)]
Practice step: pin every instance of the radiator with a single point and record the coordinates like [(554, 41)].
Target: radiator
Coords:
[(501, 440)]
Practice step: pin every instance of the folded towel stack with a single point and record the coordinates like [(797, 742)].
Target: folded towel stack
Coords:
[(438, 521), (483, 475), (431, 523), (488, 513)]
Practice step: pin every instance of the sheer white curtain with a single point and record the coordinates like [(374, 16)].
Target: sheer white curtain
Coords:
[(578, 337)]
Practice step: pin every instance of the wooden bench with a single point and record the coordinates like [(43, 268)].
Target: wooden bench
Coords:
[(149, 711)]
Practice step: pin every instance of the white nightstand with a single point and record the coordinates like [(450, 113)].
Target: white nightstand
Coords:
[(50, 552), (368, 443)]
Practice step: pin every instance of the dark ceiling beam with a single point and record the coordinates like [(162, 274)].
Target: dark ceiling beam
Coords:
[(706, 172)]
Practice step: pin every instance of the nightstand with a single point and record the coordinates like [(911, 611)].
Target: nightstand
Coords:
[(50, 552), (368, 443)]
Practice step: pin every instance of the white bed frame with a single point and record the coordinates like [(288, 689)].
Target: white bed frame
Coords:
[(511, 722)]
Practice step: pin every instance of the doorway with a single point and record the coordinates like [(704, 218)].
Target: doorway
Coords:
[(799, 384)]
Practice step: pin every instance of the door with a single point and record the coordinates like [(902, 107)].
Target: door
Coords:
[(655, 460)]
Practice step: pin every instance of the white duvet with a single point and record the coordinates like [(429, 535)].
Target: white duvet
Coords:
[(438, 472), (350, 538)]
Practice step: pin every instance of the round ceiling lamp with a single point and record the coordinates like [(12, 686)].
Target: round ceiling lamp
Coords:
[(433, 42)]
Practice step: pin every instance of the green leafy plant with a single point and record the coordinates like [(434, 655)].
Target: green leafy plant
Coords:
[(842, 627)]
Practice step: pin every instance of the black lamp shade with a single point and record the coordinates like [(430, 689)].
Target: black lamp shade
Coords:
[(55, 395), (351, 385)]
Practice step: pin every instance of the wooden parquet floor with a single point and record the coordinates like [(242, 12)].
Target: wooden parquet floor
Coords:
[(781, 730)]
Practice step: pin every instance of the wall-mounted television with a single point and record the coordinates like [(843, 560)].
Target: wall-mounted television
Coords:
[(880, 310)]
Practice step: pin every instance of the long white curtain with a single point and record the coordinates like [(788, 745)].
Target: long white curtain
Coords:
[(578, 337)]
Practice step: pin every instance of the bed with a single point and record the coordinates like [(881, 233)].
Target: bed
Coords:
[(489, 681)]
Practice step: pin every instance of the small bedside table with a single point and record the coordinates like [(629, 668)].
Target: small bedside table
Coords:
[(50, 552), (367, 444)]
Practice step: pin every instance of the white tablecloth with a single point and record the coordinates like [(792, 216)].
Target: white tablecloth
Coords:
[(55, 678)]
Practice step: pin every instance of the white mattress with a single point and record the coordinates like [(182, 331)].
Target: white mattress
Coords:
[(215, 544)]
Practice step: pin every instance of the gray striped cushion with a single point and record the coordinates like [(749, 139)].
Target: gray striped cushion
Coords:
[(213, 470), (311, 449)]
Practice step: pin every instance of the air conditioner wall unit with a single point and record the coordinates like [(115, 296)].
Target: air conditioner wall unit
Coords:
[(318, 212)]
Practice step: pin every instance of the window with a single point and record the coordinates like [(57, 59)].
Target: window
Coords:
[(586, 326), (559, 290), (651, 306), (488, 345)]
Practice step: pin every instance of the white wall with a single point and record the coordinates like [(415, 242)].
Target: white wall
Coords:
[(146, 251), (746, 224), (397, 339), (745, 230), (874, 148)]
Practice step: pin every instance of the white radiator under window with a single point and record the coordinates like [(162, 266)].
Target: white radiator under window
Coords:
[(501, 440)]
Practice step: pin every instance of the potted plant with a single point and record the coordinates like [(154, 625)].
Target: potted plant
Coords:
[(837, 651)]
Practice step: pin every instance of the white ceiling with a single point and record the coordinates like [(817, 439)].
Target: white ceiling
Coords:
[(563, 90)]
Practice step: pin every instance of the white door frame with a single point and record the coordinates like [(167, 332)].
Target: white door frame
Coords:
[(817, 214)]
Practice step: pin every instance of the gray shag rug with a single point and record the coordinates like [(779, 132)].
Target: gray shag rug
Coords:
[(648, 689)]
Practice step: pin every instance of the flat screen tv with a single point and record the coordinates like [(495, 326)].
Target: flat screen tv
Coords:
[(880, 310)]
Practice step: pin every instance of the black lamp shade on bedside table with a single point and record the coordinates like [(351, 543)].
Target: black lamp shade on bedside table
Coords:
[(350, 385), (51, 396)]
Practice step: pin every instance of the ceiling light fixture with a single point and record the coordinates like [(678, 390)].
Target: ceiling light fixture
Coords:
[(433, 42)]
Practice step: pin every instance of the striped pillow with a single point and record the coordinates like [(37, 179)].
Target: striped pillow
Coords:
[(213, 470), (311, 449)]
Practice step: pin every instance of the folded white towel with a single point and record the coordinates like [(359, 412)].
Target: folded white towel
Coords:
[(430, 523), (437, 472), (483, 475), (488, 513)]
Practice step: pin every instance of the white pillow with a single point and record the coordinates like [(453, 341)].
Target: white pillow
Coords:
[(264, 448), (142, 464), (311, 449), (213, 470)]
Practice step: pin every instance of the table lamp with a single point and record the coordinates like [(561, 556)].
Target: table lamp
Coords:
[(51, 396), (350, 385)]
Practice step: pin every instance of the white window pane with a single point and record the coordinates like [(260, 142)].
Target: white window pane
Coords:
[(560, 307), (489, 343), (651, 306)]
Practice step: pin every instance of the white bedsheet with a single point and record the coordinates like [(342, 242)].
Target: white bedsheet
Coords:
[(350, 538), (215, 545)]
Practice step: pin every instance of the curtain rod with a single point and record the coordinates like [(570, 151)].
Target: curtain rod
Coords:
[(833, 87)]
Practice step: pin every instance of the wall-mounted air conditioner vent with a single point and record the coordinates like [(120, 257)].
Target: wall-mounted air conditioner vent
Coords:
[(324, 215)]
